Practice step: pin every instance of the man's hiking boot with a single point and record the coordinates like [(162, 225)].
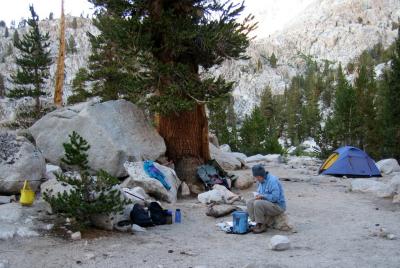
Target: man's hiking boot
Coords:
[(260, 228)]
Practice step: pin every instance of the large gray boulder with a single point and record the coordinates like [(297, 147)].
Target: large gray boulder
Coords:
[(244, 181), (378, 188), (303, 162), (240, 156), (388, 166), (152, 187), (19, 160), (226, 160), (117, 131)]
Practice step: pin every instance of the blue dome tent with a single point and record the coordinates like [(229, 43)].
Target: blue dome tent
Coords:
[(350, 161)]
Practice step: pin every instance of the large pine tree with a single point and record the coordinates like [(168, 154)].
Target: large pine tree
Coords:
[(344, 111), (33, 63), (158, 47), (223, 121), (366, 130), (390, 100)]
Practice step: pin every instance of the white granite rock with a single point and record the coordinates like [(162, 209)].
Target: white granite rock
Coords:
[(388, 166), (279, 242), (138, 177), (117, 131), (378, 188)]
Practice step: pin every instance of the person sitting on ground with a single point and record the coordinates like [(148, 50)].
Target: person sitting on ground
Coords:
[(269, 200)]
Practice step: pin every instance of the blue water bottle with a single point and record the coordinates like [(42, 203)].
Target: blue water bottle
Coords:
[(177, 215)]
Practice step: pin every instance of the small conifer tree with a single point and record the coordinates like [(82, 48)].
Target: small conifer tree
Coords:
[(273, 60), (33, 64), (2, 87), (89, 195), (79, 92)]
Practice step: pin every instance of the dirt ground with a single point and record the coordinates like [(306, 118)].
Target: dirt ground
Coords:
[(333, 229)]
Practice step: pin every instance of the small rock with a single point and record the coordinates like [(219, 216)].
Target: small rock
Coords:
[(185, 191), (136, 228), (279, 242), (4, 264), (280, 222), (5, 199), (225, 148), (383, 232), (48, 226), (396, 199), (76, 236), (391, 236), (170, 251), (188, 253), (90, 256)]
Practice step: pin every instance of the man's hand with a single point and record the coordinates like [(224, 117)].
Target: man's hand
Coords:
[(259, 197)]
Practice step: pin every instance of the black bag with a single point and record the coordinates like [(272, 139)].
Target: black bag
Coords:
[(140, 216), (157, 213)]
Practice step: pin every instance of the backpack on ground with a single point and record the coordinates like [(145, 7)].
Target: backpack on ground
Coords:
[(211, 174), (140, 216), (158, 214)]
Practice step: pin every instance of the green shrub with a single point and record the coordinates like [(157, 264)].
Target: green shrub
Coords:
[(90, 195)]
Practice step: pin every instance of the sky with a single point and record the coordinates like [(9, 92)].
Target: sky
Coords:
[(271, 14), (17, 9)]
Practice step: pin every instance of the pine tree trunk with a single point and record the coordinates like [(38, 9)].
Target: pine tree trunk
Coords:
[(58, 92), (186, 137)]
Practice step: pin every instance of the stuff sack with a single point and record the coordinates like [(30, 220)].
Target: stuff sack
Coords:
[(140, 216), (158, 214)]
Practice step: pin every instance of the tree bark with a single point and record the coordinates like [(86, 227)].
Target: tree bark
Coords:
[(58, 92), (186, 138)]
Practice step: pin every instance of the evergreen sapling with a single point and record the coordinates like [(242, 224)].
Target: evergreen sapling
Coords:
[(89, 195)]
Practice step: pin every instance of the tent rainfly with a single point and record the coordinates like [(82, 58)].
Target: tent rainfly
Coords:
[(350, 161)]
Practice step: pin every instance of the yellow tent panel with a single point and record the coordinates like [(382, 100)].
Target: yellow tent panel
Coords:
[(329, 162)]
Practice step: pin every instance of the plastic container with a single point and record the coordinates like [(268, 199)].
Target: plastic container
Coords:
[(169, 216), (27, 195), (240, 222), (178, 216)]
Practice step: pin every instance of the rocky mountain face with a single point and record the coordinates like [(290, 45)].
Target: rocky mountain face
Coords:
[(76, 27), (334, 30)]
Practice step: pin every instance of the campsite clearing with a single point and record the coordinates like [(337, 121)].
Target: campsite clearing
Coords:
[(333, 229)]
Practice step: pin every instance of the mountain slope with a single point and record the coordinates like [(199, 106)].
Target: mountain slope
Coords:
[(335, 30)]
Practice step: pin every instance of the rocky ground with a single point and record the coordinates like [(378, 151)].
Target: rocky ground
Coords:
[(334, 227)]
